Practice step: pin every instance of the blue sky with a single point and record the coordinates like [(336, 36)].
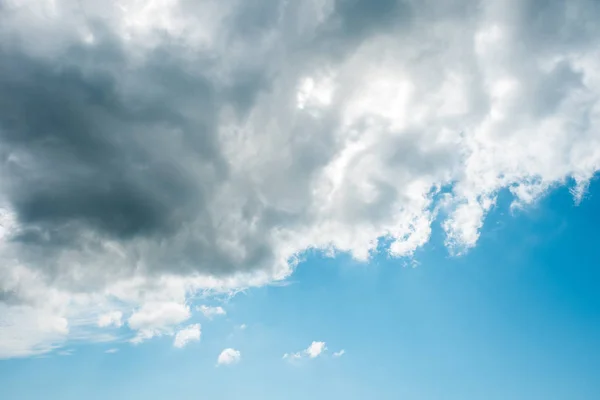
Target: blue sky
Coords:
[(517, 317), (272, 199)]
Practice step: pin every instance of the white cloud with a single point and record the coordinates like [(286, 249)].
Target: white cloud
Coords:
[(229, 356), (292, 356), (314, 350), (112, 318), (155, 319), (38, 326), (340, 353), (242, 327), (153, 315), (210, 312), (112, 351), (186, 335), (411, 116)]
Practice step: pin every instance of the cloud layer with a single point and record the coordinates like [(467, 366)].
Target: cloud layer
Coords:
[(154, 149)]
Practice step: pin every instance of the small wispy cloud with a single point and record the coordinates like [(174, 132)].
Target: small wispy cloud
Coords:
[(340, 353), (210, 312), (189, 334), (292, 356), (314, 350), (112, 351)]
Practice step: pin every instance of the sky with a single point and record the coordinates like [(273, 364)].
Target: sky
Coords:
[(320, 199)]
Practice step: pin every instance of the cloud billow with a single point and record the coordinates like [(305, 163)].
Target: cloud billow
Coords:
[(159, 149)]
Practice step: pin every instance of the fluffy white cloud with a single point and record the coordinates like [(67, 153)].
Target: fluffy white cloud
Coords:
[(229, 356), (210, 312), (151, 150), (113, 318), (186, 335), (314, 350)]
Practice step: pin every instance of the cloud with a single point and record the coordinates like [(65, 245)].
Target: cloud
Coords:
[(112, 351), (186, 335), (229, 356), (313, 351), (210, 312), (67, 352), (340, 353), (112, 318), (155, 319), (149, 152), (27, 330)]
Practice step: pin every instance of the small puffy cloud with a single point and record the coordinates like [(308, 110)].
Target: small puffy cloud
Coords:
[(315, 349), (113, 318), (210, 312), (340, 353), (229, 356), (186, 335), (112, 351), (242, 327), (312, 351)]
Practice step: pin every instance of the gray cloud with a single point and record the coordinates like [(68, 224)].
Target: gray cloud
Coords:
[(84, 154), (91, 144)]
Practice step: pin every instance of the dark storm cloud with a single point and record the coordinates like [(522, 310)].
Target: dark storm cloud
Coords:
[(85, 153)]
